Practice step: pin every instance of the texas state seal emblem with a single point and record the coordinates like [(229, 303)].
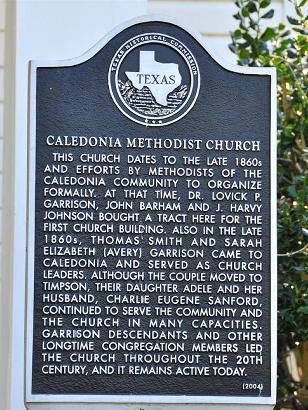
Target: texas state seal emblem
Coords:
[(154, 79)]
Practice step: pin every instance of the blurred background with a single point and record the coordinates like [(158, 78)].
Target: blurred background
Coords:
[(248, 32)]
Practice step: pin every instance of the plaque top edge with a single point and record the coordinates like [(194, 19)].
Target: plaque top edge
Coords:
[(87, 55)]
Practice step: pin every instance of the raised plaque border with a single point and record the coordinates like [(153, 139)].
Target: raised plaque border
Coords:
[(150, 399)]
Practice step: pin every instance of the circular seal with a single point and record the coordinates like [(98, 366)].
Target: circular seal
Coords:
[(154, 79)]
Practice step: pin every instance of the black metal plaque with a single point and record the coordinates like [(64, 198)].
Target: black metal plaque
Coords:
[(151, 230)]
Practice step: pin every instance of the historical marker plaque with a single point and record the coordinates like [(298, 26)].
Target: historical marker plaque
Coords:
[(151, 224)]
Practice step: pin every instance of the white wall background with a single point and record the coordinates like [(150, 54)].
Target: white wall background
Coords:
[(47, 29)]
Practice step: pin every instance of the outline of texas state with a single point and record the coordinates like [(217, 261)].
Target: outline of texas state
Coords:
[(160, 78)]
